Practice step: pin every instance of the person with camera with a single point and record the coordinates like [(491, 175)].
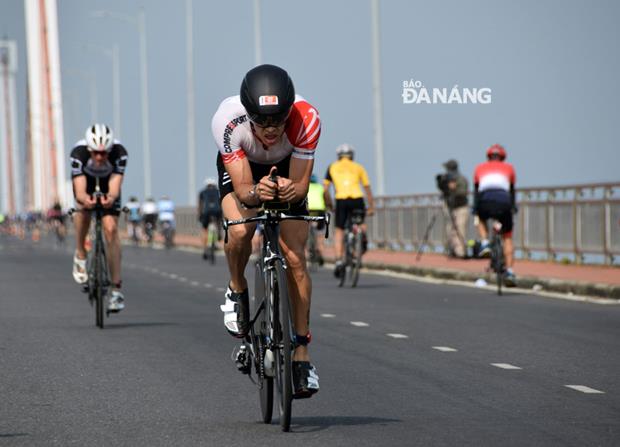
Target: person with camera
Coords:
[(453, 186)]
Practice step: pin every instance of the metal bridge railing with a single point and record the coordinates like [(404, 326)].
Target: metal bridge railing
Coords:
[(576, 221)]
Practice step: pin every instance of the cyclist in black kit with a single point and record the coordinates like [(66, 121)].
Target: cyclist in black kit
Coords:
[(100, 157)]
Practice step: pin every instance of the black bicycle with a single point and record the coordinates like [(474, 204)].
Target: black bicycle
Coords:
[(498, 263), (271, 340), (98, 281), (353, 248)]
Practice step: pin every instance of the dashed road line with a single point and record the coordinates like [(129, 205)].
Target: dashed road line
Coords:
[(221, 289), (182, 279), (397, 335), (195, 283), (505, 366), (359, 324), (328, 315), (584, 389), (444, 348), (207, 285), (173, 276)]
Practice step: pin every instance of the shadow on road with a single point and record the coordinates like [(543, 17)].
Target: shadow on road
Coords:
[(13, 435), (132, 325), (313, 424)]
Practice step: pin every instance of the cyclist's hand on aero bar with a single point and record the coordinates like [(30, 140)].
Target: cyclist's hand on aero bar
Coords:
[(107, 201), (88, 202), (266, 189), (286, 189)]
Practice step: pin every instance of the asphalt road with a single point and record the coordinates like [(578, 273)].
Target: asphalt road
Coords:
[(400, 362)]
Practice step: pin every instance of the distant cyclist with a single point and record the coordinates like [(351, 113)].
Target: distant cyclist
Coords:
[(100, 156), (263, 127), (165, 215), (316, 207), (134, 218), (149, 217), (56, 220), (209, 210), (494, 197), (348, 178)]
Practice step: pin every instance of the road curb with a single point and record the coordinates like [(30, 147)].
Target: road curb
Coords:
[(581, 288), (525, 282)]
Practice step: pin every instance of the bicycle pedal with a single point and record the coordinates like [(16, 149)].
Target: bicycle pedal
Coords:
[(84, 288)]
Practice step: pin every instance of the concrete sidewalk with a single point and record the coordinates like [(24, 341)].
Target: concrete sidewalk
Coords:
[(587, 280)]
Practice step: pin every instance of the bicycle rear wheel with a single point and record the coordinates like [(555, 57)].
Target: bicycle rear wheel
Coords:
[(346, 261), (259, 333), (283, 339), (356, 259), (498, 256)]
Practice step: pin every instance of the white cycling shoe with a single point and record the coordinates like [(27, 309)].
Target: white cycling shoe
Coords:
[(236, 313), (79, 270), (116, 302)]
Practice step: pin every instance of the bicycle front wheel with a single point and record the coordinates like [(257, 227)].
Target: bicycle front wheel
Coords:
[(259, 333), (283, 339), (99, 279)]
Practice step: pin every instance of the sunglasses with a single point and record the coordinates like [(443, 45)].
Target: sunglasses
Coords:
[(264, 121)]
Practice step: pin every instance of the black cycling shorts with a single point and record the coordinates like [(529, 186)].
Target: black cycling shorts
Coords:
[(344, 208), (259, 171), (496, 204), (206, 218)]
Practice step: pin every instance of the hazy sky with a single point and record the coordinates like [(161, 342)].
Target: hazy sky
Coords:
[(552, 66)]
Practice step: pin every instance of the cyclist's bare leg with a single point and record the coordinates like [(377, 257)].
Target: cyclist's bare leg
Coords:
[(508, 251), (239, 246), (482, 229), (112, 238), (81, 222), (293, 242), (205, 238), (338, 246)]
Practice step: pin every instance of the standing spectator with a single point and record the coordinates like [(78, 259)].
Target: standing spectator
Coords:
[(453, 186)]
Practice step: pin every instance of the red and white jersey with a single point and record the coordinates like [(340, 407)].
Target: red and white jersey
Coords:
[(235, 140), (494, 174)]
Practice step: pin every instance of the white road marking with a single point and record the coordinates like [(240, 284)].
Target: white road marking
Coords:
[(584, 389), (182, 279), (195, 283), (207, 285), (397, 335), (221, 289), (328, 315), (505, 366), (173, 276), (359, 324), (444, 348)]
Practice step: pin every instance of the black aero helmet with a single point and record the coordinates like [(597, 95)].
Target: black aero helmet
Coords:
[(267, 93)]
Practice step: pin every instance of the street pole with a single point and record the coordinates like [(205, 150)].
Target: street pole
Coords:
[(140, 23), (145, 105), (116, 89), (377, 101), (257, 34), (191, 140)]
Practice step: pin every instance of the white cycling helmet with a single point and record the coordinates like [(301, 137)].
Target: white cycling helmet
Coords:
[(99, 137), (210, 181), (345, 149)]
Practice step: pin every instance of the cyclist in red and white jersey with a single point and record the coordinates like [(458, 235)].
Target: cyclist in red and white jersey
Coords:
[(268, 126), (494, 197)]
